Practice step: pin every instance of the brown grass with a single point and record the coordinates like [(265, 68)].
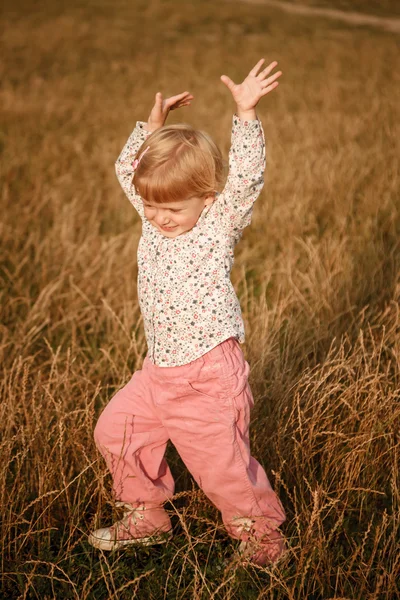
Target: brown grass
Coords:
[(317, 274)]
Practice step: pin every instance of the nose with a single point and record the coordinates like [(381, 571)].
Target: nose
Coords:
[(161, 219)]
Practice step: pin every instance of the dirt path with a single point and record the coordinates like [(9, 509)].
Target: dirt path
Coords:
[(353, 18)]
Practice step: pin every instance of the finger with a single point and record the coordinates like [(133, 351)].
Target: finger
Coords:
[(175, 106), (271, 79), (158, 98), (178, 97), (174, 101), (227, 81), (267, 70), (180, 105), (254, 70), (270, 88)]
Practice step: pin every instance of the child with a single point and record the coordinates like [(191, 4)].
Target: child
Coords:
[(193, 386)]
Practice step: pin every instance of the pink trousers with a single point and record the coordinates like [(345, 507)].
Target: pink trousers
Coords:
[(203, 407)]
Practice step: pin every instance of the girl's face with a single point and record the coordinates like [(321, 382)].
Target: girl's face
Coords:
[(174, 218)]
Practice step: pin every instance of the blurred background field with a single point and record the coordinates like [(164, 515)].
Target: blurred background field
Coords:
[(317, 274)]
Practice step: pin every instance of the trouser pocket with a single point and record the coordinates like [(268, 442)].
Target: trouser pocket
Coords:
[(223, 378)]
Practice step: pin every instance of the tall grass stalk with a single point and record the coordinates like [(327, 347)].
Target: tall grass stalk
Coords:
[(317, 274)]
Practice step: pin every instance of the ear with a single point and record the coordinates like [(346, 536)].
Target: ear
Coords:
[(209, 199)]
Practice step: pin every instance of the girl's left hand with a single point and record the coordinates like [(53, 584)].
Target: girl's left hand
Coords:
[(248, 93), (161, 108)]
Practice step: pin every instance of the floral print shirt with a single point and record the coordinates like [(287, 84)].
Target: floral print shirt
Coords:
[(188, 302)]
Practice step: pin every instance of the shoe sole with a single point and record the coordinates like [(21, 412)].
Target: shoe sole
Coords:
[(116, 545)]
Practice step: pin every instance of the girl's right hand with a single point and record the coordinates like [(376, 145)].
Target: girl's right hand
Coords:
[(161, 108)]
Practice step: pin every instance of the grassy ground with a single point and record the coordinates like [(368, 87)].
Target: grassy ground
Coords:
[(317, 274)]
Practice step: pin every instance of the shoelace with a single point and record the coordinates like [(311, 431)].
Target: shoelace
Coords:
[(249, 547), (243, 524), (131, 513)]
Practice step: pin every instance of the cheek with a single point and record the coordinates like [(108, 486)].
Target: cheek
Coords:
[(179, 218), (191, 216), (148, 213)]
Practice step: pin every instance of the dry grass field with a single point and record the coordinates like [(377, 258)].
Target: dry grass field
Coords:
[(317, 274)]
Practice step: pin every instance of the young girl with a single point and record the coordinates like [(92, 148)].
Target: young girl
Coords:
[(193, 386)]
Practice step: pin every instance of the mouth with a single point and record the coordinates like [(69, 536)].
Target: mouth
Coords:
[(168, 228)]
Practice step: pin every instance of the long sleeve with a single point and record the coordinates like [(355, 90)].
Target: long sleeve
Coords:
[(246, 174), (123, 166)]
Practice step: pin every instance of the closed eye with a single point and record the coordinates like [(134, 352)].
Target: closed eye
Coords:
[(174, 210)]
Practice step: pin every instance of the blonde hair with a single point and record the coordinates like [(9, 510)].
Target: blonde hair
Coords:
[(181, 162)]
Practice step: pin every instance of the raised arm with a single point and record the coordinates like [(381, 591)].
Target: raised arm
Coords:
[(124, 168), (247, 152), (158, 115), (246, 173)]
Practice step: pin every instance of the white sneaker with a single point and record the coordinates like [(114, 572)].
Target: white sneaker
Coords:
[(268, 551), (260, 548), (140, 525)]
